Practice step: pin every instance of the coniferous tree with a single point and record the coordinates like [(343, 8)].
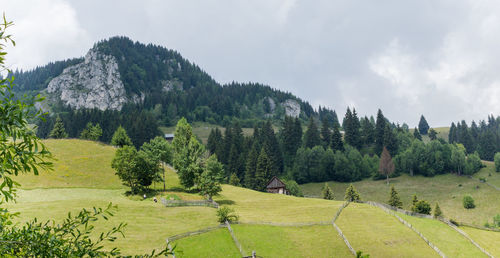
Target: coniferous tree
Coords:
[(351, 128), (437, 211), (414, 202), (416, 134), (58, 132), (367, 131), (289, 139), (270, 142), (351, 194), (337, 144), (451, 135), (390, 141), (423, 126), (327, 192), (379, 132), (311, 137), (264, 170), (251, 167), (394, 199), (487, 146), (326, 134), (214, 140), (432, 134), (120, 138), (234, 180)]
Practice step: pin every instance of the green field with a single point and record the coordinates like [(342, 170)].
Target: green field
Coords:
[(82, 178), (202, 130), (379, 234), (489, 240), (446, 189), (449, 241)]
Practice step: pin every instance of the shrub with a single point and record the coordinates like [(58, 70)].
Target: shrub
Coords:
[(394, 199), (293, 188), (497, 162), (496, 220), (452, 221), (423, 207), (226, 214), (437, 211), (234, 180), (468, 202)]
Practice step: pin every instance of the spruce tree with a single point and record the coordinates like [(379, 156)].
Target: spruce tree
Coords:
[(289, 140), (326, 134), (327, 192), (379, 132), (423, 126), (367, 131), (311, 137), (432, 134), (214, 140), (390, 141), (416, 134), (234, 180), (58, 132), (264, 171), (394, 199), (451, 135), (351, 128), (437, 211), (251, 167), (351, 194), (270, 142), (337, 143), (120, 138), (414, 202)]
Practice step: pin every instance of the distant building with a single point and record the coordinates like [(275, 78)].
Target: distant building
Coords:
[(276, 186), (169, 136)]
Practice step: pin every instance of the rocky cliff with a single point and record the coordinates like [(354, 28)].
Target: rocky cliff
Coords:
[(94, 83)]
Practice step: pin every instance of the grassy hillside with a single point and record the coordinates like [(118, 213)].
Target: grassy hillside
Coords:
[(447, 189), (89, 182)]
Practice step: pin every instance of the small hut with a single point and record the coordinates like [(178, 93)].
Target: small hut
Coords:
[(169, 137), (276, 186)]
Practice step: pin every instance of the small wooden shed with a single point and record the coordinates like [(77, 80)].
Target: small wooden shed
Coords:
[(276, 186), (169, 137)]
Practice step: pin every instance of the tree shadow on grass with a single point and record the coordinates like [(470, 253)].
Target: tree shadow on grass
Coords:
[(226, 202)]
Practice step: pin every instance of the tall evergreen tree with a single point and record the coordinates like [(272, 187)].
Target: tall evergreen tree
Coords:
[(379, 132), (416, 134), (351, 129), (214, 140), (451, 134), (264, 170), (58, 132), (311, 137), (326, 134), (394, 199), (337, 143), (423, 126), (251, 167), (390, 140), (367, 131), (432, 134), (289, 140), (270, 142), (487, 146)]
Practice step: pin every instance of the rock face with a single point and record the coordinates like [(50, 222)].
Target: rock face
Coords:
[(94, 83), (292, 108)]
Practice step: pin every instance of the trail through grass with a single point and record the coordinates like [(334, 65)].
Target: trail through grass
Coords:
[(371, 230)]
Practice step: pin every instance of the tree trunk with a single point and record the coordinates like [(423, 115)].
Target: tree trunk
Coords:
[(387, 179), (163, 167)]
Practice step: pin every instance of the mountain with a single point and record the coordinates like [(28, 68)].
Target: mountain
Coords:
[(118, 72)]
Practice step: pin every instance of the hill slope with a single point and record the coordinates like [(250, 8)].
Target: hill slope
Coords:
[(273, 225)]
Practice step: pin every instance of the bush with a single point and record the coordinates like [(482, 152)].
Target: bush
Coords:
[(468, 202), (497, 162), (437, 211), (496, 220), (351, 194), (234, 180), (293, 188), (226, 214), (452, 221), (327, 192), (422, 207)]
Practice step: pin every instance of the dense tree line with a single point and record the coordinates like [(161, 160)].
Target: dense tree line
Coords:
[(141, 126), (483, 138), (322, 153)]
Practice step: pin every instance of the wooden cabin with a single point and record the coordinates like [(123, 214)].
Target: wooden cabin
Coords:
[(276, 186), (169, 137)]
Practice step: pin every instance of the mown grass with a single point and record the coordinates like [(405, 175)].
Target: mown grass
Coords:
[(371, 230), (202, 130), (149, 223), (77, 163), (448, 190), (489, 174), (276, 241), (449, 241), (489, 240), (253, 206), (217, 243)]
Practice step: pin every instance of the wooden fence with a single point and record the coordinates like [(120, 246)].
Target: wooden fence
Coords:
[(180, 203), (340, 231)]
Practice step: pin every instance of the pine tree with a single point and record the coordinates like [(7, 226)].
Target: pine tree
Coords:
[(264, 171), (394, 199), (432, 134), (311, 137), (337, 143), (327, 192), (423, 126), (273, 151), (351, 128), (452, 133), (414, 202), (234, 180), (390, 141), (251, 167), (416, 134), (120, 138), (379, 132), (351, 194), (326, 134), (367, 131), (437, 211), (58, 132), (289, 140), (214, 139)]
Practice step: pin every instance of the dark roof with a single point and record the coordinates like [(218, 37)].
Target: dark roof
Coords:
[(275, 183)]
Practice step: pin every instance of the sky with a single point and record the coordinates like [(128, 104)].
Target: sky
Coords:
[(408, 58)]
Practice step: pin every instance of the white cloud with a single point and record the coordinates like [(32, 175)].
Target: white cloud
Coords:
[(45, 30)]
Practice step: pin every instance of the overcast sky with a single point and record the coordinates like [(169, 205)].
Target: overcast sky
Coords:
[(437, 58)]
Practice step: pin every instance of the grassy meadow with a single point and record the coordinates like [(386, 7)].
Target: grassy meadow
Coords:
[(448, 190), (82, 178)]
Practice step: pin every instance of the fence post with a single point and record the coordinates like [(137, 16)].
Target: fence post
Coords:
[(234, 238), (170, 248)]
